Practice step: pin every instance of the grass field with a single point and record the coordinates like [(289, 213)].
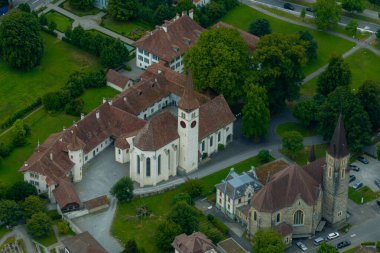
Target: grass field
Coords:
[(295, 126), (301, 157), (125, 226), (365, 192), (94, 97), (79, 13), (364, 66), (48, 240), (20, 89), (63, 22), (241, 16), (123, 28)]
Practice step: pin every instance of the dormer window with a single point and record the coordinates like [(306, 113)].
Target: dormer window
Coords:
[(175, 48)]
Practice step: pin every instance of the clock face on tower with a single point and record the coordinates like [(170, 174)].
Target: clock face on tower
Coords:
[(183, 124), (193, 124)]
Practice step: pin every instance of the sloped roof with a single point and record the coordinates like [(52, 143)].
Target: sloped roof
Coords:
[(75, 144), (83, 243), (194, 243), (188, 101), (284, 229), (117, 78), (315, 169), (65, 193), (338, 146), (284, 188)]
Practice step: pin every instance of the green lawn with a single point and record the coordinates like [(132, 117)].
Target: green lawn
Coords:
[(92, 11), (241, 16), (365, 192), (94, 97), (126, 226), (48, 240), (295, 126), (124, 28), (63, 22), (301, 157), (364, 66), (22, 88)]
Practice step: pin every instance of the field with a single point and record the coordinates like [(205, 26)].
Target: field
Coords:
[(124, 28), (20, 89), (63, 22), (126, 226), (241, 16), (295, 126), (365, 192), (364, 66), (94, 97)]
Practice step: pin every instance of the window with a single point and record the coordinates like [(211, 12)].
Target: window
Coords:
[(72, 157), (298, 218), (278, 218), (193, 115), (239, 200), (220, 193), (155, 57), (146, 53), (183, 115), (229, 199), (140, 57), (119, 151), (203, 145), (101, 145), (330, 171), (146, 60), (85, 158), (159, 165), (148, 167), (138, 164), (342, 173), (220, 201), (228, 206), (211, 140), (219, 135), (254, 216), (339, 213), (177, 65)]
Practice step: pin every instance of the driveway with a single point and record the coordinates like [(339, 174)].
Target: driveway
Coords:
[(368, 173)]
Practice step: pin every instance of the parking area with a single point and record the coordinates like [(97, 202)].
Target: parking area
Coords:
[(368, 173)]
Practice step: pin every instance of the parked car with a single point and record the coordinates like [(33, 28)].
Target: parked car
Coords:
[(343, 244), (332, 236), (318, 241), (357, 185), (377, 182), (378, 202), (301, 246), (309, 9), (354, 167), (362, 159), (288, 6), (352, 178)]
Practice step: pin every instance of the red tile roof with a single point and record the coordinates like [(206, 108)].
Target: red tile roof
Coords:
[(284, 229), (117, 78), (65, 194), (83, 243), (96, 202), (194, 243)]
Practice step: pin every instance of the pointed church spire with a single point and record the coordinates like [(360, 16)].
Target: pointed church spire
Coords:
[(74, 145), (312, 154), (338, 145), (188, 100)]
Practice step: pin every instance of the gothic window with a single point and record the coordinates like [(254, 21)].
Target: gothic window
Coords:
[(138, 164), (298, 218), (342, 173), (159, 165), (278, 218), (219, 137), (148, 167), (211, 141), (330, 172), (254, 216)]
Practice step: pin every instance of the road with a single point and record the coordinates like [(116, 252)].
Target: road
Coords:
[(344, 20)]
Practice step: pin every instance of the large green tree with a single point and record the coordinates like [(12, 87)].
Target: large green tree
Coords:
[(327, 248), (356, 120), (162, 13), (185, 216), (311, 45), (82, 4), (10, 212), (369, 96), (165, 234), (20, 190), (268, 241), (39, 225), (353, 5), (122, 10), (123, 189), (256, 113), (31, 205), (326, 14), (21, 44), (19, 133), (338, 73), (292, 142), (260, 27), (278, 62), (114, 55), (352, 27), (220, 61)]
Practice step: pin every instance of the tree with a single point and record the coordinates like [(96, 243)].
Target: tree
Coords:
[(356, 120), (303, 13), (256, 113), (39, 225), (52, 26), (122, 10), (326, 248), (63, 227), (369, 96), (311, 45), (43, 20), (82, 4), (55, 101), (194, 188), (182, 196), (378, 155), (20, 190), (162, 13), (306, 112), (278, 62), (352, 27), (114, 55), (268, 241), (123, 189), (222, 62), (24, 7), (185, 216), (31, 205), (338, 73), (185, 5), (326, 14), (260, 27), (19, 133), (353, 5), (74, 107), (264, 156), (292, 141), (9, 212), (165, 234), (21, 44)]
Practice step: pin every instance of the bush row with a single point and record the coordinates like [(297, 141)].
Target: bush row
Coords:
[(21, 114)]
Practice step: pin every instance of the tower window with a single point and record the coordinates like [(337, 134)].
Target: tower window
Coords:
[(278, 218), (159, 165), (254, 216), (342, 172), (219, 137), (211, 141), (148, 167), (138, 164), (330, 172), (298, 218)]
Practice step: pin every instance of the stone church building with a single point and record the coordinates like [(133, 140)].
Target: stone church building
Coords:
[(299, 201)]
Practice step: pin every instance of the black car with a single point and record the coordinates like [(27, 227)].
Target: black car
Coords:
[(309, 9), (343, 244), (352, 178), (354, 167), (362, 159), (288, 6)]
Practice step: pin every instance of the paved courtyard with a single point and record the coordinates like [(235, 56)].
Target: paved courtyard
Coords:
[(100, 174), (368, 173)]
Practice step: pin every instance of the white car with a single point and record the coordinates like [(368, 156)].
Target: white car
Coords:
[(332, 236), (301, 246)]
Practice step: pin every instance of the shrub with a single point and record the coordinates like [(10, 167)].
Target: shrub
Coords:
[(63, 227), (4, 150), (52, 26), (218, 224), (39, 225), (54, 215), (182, 196), (123, 189), (214, 234), (204, 156), (220, 147), (143, 211), (368, 243), (194, 188), (378, 246), (74, 107), (378, 31), (264, 156)]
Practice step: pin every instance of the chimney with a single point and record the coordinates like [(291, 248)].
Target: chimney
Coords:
[(125, 99), (64, 128), (165, 28), (176, 16), (104, 100), (97, 114), (51, 156), (159, 71), (191, 13), (26, 164), (183, 13), (110, 101), (82, 116)]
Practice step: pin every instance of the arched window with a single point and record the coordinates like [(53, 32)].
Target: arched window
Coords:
[(159, 165), (330, 171), (298, 218), (254, 216), (211, 141), (342, 173), (278, 218), (148, 167), (138, 164)]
